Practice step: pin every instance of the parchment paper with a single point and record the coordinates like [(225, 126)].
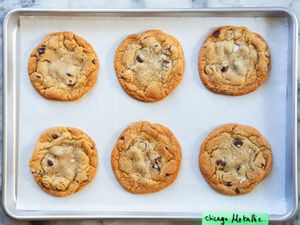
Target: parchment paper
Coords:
[(191, 112)]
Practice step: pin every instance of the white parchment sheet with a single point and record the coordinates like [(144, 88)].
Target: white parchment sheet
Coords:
[(191, 112)]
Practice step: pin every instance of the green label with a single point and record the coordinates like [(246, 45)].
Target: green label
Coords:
[(234, 218)]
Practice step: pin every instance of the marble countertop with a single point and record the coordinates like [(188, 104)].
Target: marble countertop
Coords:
[(7, 5)]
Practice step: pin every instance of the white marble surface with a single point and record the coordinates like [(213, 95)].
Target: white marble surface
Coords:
[(7, 5)]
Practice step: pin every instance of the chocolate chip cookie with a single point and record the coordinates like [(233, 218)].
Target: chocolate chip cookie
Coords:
[(234, 158), (64, 161), (234, 61), (63, 66), (146, 158), (149, 66)]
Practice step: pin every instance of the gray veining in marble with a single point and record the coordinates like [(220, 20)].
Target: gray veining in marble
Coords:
[(7, 5)]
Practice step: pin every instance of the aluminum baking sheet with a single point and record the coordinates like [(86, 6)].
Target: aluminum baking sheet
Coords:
[(191, 112)]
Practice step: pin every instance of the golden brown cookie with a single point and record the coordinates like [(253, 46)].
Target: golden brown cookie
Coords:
[(64, 161), (234, 61), (63, 66), (146, 158), (234, 158), (149, 66)]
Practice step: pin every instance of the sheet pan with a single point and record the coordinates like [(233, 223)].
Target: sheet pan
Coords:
[(191, 112)]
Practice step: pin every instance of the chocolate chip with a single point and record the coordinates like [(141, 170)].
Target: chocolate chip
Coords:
[(228, 183), (45, 184), (69, 75), (54, 136), (38, 76), (224, 69), (156, 48), (237, 190), (49, 162), (122, 138), (238, 143), (221, 162), (168, 49), (70, 84), (262, 165), (167, 174), (139, 59), (165, 64), (94, 61), (156, 167), (41, 50), (158, 159), (156, 164), (216, 34), (238, 167)]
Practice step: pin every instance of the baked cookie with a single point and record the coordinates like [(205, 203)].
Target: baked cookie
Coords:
[(64, 161), (63, 66), (146, 158), (234, 61), (234, 158), (149, 66)]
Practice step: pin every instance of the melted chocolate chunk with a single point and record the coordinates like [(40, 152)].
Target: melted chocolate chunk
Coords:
[(221, 162), (216, 34), (139, 59), (41, 50), (155, 47), (158, 159), (169, 48), (54, 136), (156, 167), (238, 143), (49, 162), (45, 184), (224, 69), (228, 184), (165, 64), (70, 84)]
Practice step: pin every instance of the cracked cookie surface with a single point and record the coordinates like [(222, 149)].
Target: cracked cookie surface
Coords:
[(234, 61), (234, 158), (64, 161), (146, 158), (63, 66), (149, 66)]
